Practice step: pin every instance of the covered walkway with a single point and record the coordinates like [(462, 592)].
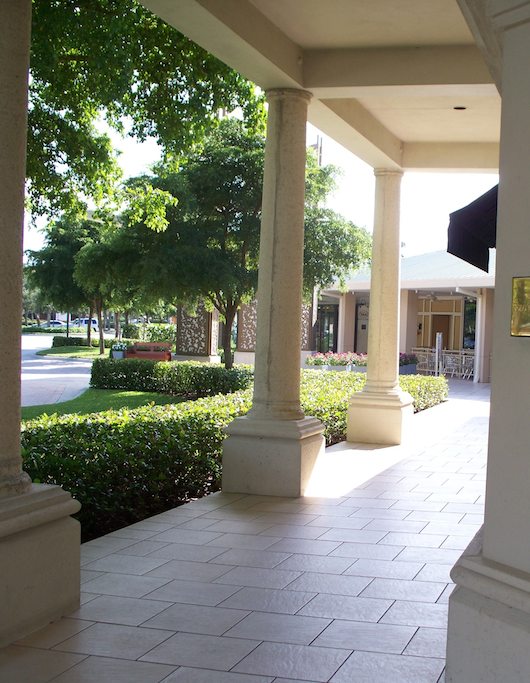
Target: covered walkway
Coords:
[(350, 585)]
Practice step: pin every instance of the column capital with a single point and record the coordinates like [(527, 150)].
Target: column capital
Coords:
[(388, 171), (285, 93)]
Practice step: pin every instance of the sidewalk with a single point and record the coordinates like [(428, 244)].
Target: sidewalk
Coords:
[(351, 586)]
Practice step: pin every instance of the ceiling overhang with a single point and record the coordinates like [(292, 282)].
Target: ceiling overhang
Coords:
[(386, 91)]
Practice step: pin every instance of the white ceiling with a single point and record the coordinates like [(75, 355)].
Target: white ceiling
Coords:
[(385, 74)]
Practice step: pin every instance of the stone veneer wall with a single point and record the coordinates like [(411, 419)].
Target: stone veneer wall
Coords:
[(246, 327)]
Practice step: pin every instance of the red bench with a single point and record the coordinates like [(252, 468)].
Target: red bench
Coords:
[(150, 351)]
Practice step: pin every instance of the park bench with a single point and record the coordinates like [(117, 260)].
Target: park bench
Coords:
[(150, 351)]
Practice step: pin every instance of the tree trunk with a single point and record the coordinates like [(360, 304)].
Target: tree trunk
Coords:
[(126, 316), (89, 327), (227, 336), (68, 324), (117, 328), (99, 313)]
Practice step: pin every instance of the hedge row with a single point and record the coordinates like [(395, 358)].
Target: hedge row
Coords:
[(61, 340), (126, 465), (189, 378), (150, 332)]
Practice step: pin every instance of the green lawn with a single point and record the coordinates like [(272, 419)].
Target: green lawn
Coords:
[(72, 352), (95, 400)]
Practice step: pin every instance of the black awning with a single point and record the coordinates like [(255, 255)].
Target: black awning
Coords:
[(473, 230)]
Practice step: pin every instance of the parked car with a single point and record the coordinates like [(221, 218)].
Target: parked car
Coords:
[(54, 323), (83, 322)]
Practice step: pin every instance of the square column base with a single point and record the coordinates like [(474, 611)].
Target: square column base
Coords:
[(379, 418), (39, 560), (488, 638), (271, 457)]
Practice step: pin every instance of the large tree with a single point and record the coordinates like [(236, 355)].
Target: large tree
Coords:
[(210, 247), (114, 60)]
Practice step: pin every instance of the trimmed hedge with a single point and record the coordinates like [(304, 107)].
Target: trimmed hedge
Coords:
[(82, 341), (151, 332), (124, 466), (189, 378)]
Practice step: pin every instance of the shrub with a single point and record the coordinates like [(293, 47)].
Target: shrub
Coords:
[(426, 391), (189, 378), (127, 465), (150, 332), (82, 341)]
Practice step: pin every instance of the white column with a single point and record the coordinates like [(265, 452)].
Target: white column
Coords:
[(272, 450), (39, 542), (489, 612), (377, 414)]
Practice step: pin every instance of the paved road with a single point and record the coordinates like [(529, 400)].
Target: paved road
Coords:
[(46, 379)]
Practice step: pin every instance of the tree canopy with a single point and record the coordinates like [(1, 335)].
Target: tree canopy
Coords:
[(210, 248), (114, 60)]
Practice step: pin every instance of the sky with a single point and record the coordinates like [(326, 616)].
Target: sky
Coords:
[(427, 199)]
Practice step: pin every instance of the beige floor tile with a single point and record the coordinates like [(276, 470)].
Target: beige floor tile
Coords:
[(330, 583), (107, 670), (384, 569), (193, 592), (29, 665), (376, 667), (189, 553), (368, 551), (212, 621), (396, 589), (317, 563), (355, 635), (293, 661), (346, 607), (189, 571), (244, 541), (258, 578), (124, 585), (201, 651), (126, 611), (111, 640), (305, 546), (432, 615), (296, 530), (428, 642), (125, 564), (269, 600), (55, 633), (187, 675), (188, 536), (279, 628), (251, 558)]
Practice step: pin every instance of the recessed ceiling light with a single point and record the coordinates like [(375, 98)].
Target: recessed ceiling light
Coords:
[(459, 108)]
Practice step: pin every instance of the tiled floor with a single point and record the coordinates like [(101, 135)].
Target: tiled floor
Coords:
[(247, 589)]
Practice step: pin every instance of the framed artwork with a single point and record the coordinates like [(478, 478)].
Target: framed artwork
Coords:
[(520, 324)]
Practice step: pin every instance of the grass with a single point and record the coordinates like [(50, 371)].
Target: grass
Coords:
[(96, 400), (72, 352)]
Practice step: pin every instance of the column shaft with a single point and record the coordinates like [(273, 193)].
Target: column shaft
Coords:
[(272, 450), (15, 24), (277, 369), (377, 413), (383, 330)]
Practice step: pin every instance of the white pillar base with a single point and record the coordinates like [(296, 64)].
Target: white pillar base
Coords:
[(271, 457), (39, 560), (379, 418), (488, 637)]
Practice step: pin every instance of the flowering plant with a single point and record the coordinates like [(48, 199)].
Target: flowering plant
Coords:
[(317, 359), (119, 346), (359, 359), (339, 358), (407, 359)]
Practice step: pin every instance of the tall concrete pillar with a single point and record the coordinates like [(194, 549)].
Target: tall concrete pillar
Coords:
[(489, 611), (272, 450), (39, 542), (377, 414)]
